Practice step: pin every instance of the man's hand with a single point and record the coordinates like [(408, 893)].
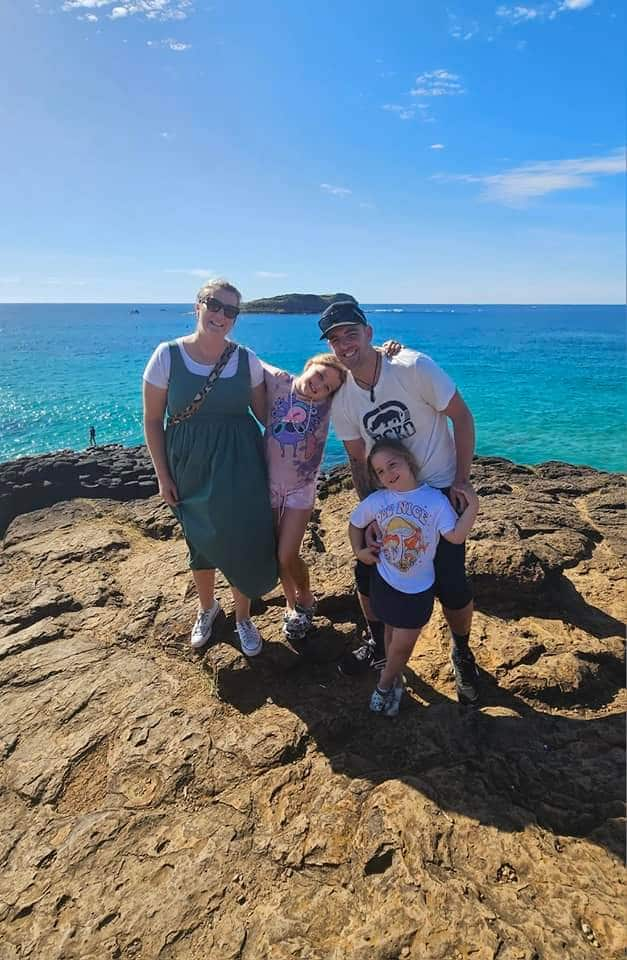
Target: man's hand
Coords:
[(367, 556), (373, 537), (391, 348), (458, 495), (167, 489)]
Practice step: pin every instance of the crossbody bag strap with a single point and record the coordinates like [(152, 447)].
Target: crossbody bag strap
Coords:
[(208, 385)]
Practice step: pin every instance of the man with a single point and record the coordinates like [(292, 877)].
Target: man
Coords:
[(408, 397)]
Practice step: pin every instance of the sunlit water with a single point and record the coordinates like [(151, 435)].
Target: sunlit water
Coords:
[(543, 382)]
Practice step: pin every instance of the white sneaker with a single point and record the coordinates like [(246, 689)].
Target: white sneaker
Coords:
[(249, 638), (201, 631)]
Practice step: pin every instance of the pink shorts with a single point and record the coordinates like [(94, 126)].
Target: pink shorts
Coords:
[(303, 498)]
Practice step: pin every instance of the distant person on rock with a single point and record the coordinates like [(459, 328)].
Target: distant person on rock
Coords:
[(209, 458), (409, 398), (413, 518), (92, 436)]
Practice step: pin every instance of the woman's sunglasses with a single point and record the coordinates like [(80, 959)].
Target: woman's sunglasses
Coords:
[(214, 305)]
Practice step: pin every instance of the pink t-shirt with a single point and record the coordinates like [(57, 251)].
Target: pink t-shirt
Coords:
[(296, 432)]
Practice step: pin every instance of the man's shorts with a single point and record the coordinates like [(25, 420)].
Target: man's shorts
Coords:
[(451, 587), (408, 611)]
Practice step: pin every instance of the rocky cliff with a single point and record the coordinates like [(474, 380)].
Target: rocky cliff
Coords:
[(159, 804), (294, 303)]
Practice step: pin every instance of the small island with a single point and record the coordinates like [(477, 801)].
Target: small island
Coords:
[(294, 303)]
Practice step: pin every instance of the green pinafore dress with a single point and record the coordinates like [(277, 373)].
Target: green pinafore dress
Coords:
[(216, 461)]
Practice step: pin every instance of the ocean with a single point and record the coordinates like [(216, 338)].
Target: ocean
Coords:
[(544, 382)]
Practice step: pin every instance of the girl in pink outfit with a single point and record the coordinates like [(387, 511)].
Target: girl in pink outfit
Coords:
[(297, 425), (297, 417)]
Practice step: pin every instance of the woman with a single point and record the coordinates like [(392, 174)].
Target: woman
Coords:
[(209, 459)]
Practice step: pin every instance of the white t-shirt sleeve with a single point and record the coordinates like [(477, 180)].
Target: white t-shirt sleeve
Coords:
[(256, 368), (434, 385), (345, 426), (157, 371), (447, 517), (365, 512)]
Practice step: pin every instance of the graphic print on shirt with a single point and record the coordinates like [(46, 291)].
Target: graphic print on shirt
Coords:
[(403, 543), (293, 421), (389, 419)]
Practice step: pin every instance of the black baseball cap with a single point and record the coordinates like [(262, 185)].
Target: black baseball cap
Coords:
[(339, 314)]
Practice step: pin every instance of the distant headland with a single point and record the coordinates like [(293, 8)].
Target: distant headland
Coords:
[(294, 303)]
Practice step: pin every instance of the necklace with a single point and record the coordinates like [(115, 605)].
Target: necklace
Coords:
[(370, 385)]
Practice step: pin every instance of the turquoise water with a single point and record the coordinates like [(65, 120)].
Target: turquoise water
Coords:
[(543, 382)]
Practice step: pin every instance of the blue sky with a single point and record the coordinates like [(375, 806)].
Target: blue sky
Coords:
[(399, 151)]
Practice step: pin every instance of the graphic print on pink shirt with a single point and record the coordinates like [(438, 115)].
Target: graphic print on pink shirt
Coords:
[(296, 432)]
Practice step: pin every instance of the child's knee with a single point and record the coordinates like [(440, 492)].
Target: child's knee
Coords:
[(288, 560)]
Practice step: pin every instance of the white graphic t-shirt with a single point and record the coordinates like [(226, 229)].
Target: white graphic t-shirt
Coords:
[(411, 524), (408, 401)]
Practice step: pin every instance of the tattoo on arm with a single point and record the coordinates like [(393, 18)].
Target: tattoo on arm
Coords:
[(359, 472)]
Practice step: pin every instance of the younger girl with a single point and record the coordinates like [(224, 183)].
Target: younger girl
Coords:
[(412, 518), (298, 410)]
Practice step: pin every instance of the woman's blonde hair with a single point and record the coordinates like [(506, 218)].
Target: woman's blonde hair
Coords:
[(395, 446), (327, 360), (212, 286)]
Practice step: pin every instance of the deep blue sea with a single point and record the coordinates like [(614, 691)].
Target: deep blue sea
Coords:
[(544, 383)]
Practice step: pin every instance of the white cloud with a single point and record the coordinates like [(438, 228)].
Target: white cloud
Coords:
[(437, 83), (403, 113), (150, 9), (10, 279), (545, 11), (90, 17), (335, 191), (176, 45), (202, 272), (436, 146), (518, 14), (517, 186), (165, 135), (460, 29), (269, 275)]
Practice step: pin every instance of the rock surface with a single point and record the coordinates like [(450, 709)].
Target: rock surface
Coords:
[(160, 804), (294, 303)]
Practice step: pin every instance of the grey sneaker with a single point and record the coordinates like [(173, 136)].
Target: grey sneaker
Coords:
[(249, 638), (466, 675), (201, 631)]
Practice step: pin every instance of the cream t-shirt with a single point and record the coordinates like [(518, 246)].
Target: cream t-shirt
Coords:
[(409, 398)]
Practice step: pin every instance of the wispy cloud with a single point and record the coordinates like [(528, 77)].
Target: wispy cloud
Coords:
[(10, 279), (176, 45), (518, 13), (519, 185), (461, 29), (403, 113), (436, 146), (150, 9), (335, 191), (437, 83), (269, 275), (202, 272)]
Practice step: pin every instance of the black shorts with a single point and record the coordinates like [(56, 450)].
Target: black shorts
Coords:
[(451, 587), (409, 611)]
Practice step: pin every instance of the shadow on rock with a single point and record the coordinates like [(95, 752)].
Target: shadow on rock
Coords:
[(505, 764)]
